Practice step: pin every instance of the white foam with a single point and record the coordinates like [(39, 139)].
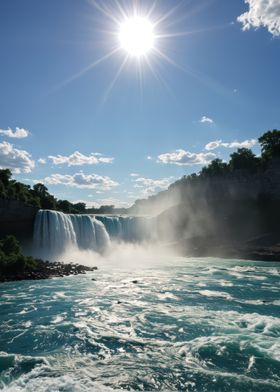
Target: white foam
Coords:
[(213, 293), (32, 382), (57, 319)]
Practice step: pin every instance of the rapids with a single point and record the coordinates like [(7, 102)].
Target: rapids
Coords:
[(169, 324)]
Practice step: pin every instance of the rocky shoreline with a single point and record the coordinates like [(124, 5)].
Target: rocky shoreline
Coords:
[(46, 270)]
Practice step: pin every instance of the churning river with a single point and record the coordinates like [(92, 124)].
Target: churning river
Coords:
[(179, 324)]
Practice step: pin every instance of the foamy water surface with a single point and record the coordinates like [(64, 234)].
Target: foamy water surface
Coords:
[(183, 324)]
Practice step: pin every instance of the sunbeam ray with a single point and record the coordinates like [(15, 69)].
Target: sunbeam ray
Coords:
[(104, 10), (140, 76), (162, 55), (120, 8), (85, 70), (116, 77), (192, 32), (168, 14), (159, 78), (151, 10)]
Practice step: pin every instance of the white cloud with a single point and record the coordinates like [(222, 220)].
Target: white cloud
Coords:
[(79, 159), (262, 13), (19, 161), (213, 145), (19, 133), (42, 161), (149, 158), (81, 180), (134, 175), (205, 119), (219, 143), (150, 186), (182, 158)]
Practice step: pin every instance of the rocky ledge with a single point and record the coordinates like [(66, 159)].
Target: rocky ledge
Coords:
[(46, 270)]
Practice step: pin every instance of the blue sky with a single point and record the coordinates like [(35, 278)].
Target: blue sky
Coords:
[(86, 139)]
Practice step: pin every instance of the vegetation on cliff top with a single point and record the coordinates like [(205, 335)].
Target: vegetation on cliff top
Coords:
[(243, 163), (37, 196)]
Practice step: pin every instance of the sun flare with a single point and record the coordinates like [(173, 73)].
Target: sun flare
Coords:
[(137, 36)]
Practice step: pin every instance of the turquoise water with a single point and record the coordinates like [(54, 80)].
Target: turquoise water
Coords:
[(188, 324)]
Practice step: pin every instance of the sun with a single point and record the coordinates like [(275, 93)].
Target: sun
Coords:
[(136, 36)]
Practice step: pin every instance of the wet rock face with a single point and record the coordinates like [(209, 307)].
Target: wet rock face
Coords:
[(17, 218)]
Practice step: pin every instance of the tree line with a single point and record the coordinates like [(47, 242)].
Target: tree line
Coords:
[(37, 196), (244, 159), (242, 162)]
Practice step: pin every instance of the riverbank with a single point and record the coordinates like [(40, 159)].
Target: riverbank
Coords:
[(46, 270)]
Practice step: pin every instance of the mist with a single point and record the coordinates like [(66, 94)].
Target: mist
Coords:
[(122, 255)]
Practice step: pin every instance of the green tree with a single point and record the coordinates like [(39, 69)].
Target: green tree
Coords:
[(47, 201), (270, 144), (5, 176), (3, 193), (10, 245), (64, 206), (216, 168), (106, 209), (244, 159), (40, 190), (80, 207)]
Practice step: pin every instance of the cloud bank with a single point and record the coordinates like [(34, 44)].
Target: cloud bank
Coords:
[(81, 180), (262, 13), (19, 161)]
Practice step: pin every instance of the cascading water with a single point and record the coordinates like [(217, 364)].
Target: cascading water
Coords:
[(56, 232), (130, 228)]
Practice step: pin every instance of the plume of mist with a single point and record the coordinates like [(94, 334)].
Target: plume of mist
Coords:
[(121, 255)]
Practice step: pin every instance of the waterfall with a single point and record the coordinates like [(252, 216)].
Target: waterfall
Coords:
[(129, 228), (56, 232)]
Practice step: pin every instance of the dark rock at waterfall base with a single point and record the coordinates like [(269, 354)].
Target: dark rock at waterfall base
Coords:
[(46, 270)]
